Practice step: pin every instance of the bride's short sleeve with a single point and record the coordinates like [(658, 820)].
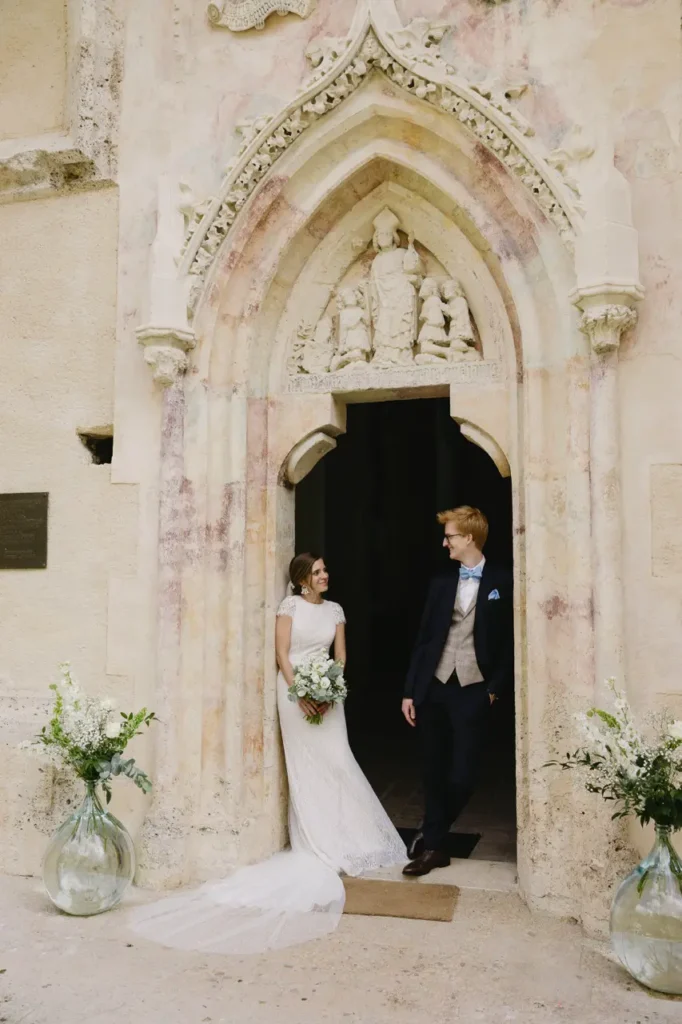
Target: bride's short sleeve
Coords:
[(339, 617), (287, 607)]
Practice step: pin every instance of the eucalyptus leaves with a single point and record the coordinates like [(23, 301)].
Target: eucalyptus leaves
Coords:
[(87, 735)]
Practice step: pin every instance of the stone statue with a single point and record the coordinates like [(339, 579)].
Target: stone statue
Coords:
[(394, 279), (433, 340), (354, 346), (460, 332)]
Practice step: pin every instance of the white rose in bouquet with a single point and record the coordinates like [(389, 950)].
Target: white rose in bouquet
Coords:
[(318, 679)]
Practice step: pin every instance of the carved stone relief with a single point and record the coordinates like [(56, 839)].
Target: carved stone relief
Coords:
[(241, 15), (396, 315), (411, 59)]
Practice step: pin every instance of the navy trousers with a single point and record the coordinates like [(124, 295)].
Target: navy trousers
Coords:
[(453, 726)]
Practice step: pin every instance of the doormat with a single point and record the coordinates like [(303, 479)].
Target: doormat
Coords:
[(460, 844), (422, 901)]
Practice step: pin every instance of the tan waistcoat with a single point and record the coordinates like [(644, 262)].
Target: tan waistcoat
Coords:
[(459, 652)]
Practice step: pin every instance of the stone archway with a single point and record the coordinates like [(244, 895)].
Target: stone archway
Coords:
[(235, 425)]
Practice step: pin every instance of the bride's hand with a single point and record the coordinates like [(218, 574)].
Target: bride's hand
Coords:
[(308, 707)]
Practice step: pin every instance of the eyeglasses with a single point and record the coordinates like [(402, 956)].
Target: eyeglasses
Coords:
[(451, 536)]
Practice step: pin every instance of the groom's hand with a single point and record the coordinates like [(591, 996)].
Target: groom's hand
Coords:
[(409, 712)]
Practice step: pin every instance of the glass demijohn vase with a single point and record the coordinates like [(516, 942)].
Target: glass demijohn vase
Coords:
[(646, 918), (90, 861)]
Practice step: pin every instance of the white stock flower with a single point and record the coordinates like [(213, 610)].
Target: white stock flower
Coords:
[(112, 730)]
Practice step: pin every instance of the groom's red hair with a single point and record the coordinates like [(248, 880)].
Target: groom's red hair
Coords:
[(468, 520)]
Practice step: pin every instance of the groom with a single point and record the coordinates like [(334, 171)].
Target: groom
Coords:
[(463, 661)]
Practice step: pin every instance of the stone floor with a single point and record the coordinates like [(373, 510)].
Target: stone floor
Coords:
[(495, 963)]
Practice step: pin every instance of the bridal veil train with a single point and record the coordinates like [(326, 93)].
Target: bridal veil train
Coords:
[(336, 826)]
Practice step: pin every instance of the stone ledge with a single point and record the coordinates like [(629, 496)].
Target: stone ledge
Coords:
[(45, 165), (345, 382)]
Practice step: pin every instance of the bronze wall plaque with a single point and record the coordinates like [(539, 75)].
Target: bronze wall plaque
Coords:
[(23, 531)]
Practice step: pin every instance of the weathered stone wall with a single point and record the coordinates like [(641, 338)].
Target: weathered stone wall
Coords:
[(33, 59), (163, 94)]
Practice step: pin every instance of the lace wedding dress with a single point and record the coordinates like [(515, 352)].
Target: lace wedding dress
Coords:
[(336, 825)]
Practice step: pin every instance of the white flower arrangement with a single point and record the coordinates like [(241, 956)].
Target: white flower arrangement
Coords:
[(319, 680), (644, 778), (87, 735)]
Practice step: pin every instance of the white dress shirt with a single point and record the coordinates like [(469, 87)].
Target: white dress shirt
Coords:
[(467, 590)]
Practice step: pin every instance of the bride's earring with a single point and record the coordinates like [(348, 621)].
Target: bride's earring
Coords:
[(304, 590)]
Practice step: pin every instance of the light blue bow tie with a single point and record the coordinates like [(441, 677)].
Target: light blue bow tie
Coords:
[(470, 574)]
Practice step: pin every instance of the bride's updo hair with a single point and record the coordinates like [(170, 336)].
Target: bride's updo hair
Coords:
[(300, 569)]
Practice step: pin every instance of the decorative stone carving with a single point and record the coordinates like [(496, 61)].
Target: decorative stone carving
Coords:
[(420, 42), (605, 324), (574, 149), (248, 128), (354, 346), (460, 334), (395, 317), (322, 54), (340, 71), (165, 350), (193, 211), (313, 347), (394, 279), (432, 343), (241, 15), (499, 96)]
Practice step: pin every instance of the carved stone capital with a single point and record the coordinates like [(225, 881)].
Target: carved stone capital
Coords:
[(165, 350), (605, 324), (241, 15)]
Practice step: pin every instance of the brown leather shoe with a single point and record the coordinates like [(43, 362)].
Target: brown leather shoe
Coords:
[(426, 862)]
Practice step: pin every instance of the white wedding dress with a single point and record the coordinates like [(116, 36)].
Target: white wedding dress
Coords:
[(336, 825)]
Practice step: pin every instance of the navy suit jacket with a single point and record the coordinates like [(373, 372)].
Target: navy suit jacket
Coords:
[(493, 631)]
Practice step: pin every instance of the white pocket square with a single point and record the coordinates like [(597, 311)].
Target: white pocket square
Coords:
[(494, 595)]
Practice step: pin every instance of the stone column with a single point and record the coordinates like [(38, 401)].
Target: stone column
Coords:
[(607, 290), (162, 855), (604, 323)]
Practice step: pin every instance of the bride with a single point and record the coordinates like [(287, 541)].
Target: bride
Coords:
[(336, 823)]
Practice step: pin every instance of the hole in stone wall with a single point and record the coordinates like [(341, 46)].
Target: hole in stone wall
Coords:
[(99, 441)]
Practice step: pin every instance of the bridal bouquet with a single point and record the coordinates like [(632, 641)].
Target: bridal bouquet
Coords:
[(318, 679), (85, 734), (644, 778)]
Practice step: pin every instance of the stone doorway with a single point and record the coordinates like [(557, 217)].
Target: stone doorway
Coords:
[(369, 507)]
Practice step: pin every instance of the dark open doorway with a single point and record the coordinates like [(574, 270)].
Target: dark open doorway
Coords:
[(369, 507)]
